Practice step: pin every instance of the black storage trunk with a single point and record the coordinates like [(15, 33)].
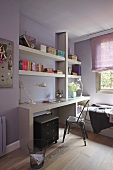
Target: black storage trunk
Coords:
[(46, 127)]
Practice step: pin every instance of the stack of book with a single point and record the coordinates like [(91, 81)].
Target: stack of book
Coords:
[(30, 66)]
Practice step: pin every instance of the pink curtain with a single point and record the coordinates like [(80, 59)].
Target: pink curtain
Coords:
[(102, 52)]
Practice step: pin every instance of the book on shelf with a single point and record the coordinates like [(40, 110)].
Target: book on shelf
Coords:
[(23, 65), (29, 65), (23, 40), (38, 67)]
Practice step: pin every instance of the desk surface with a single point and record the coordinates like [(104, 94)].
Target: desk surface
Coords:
[(40, 106)]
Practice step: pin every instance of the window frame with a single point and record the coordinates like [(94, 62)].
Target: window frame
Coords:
[(98, 85)]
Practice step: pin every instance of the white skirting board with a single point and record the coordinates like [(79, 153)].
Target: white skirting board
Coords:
[(12, 146)]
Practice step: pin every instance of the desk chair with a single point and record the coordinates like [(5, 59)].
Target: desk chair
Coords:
[(80, 121)]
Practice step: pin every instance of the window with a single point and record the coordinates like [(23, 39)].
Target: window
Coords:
[(104, 81), (107, 80), (102, 62)]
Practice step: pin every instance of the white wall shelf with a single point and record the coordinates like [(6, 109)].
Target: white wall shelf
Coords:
[(73, 76), (43, 74), (38, 53), (70, 61)]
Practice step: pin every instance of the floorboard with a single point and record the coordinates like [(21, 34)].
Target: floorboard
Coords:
[(70, 155)]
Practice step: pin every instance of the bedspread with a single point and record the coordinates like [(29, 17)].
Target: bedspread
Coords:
[(99, 117)]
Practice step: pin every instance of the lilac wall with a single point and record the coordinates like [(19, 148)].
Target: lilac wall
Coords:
[(9, 29), (83, 51), (42, 34)]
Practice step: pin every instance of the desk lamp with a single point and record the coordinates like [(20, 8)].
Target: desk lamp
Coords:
[(39, 85)]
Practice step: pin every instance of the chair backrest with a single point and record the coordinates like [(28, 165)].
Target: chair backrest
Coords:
[(84, 106)]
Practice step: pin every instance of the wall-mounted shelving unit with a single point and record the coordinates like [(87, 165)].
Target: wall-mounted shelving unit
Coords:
[(62, 44), (61, 63), (39, 54)]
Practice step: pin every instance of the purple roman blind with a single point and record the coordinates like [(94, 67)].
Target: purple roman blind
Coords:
[(102, 52)]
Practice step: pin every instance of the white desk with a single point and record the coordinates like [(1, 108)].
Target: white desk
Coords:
[(26, 114)]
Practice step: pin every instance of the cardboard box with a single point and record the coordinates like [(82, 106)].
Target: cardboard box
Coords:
[(43, 47), (72, 57), (51, 50), (49, 70), (58, 72)]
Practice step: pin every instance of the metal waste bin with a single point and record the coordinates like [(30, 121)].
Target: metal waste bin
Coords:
[(37, 149)]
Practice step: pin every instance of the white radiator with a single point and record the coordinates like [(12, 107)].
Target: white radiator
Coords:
[(2, 135)]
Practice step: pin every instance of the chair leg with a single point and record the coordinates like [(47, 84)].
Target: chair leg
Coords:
[(68, 129), (65, 130), (86, 133), (82, 126)]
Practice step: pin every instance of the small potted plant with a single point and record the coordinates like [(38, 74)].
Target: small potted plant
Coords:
[(73, 87)]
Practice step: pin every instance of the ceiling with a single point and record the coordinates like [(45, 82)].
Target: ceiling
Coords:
[(78, 17)]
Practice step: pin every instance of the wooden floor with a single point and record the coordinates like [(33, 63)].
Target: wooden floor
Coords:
[(70, 155)]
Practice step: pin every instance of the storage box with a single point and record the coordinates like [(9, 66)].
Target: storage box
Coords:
[(72, 57), (49, 70), (43, 47), (51, 50), (76, 69), (58, 72), (60, 53), (47, 127)]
